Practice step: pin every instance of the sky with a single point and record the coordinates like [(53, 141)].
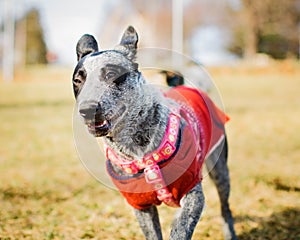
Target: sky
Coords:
[(210, 45), (65, 21)]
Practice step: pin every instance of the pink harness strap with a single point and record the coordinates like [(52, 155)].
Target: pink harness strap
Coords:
[(150, 162)]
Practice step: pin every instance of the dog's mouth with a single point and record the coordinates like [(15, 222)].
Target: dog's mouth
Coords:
[(101, 126)]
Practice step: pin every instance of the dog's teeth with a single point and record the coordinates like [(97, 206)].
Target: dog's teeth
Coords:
[(102, 124)]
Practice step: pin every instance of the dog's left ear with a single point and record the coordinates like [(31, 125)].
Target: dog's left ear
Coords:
[(128, 44)]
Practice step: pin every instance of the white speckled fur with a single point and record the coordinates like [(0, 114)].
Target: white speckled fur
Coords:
[(138, 113)]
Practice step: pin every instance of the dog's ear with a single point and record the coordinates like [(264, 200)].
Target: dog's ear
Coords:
[(86, 44), (128, 44)]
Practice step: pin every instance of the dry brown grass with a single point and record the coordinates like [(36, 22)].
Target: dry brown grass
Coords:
[(45, 192)]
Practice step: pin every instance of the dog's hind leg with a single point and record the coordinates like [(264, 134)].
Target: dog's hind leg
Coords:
[(149, 222), (189, 215), (218, 171)]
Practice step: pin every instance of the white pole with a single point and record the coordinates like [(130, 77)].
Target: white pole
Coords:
[(299, 41), (8, 41), (177, 29)]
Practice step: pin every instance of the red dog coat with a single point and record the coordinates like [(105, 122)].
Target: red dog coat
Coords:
[(202, 131)]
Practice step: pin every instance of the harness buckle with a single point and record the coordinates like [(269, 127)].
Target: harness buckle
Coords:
[(153, 174)]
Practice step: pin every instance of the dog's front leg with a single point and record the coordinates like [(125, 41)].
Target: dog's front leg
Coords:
[(189, 215), (149, 223)]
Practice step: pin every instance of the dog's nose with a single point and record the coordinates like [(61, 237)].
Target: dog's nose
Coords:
[(89, 111)]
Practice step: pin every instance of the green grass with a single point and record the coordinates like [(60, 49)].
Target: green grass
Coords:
[(45, 192)]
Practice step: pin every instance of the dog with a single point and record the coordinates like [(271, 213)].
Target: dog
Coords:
[(155, 142)]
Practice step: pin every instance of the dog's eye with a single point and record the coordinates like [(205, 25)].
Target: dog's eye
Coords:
[(110, 75), (113, 74), (81, 73)]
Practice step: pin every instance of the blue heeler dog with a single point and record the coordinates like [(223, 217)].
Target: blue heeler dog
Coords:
[(155, 142)]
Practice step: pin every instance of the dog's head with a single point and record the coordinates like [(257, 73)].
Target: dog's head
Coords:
[(106, 82)]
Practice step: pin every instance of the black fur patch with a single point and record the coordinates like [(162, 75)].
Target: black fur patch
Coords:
[(79, 78), (86, 45), (114, 73)]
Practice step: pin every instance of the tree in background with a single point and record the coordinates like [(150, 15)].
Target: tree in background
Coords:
[(268, 26), (258, 26), (30, 41)]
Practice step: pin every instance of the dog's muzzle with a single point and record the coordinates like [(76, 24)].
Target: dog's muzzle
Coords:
[(95, 120)]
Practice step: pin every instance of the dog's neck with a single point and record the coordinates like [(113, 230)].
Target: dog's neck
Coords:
[(143, 126)]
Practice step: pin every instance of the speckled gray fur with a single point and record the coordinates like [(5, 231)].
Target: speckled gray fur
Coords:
[(116, 103)]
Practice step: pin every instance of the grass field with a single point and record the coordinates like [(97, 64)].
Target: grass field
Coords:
[(45, 192)]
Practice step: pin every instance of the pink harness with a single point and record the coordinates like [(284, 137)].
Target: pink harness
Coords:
[(149, 163)]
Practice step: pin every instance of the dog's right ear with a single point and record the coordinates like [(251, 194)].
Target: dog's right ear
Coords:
[(87, 44)]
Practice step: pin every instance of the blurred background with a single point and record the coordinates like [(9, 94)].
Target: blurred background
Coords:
[(212, 32), (250, 48)]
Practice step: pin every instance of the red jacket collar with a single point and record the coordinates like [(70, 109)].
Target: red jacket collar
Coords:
[(164, 151)]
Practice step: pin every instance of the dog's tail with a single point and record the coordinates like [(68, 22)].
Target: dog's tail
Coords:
[(173, 79)]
